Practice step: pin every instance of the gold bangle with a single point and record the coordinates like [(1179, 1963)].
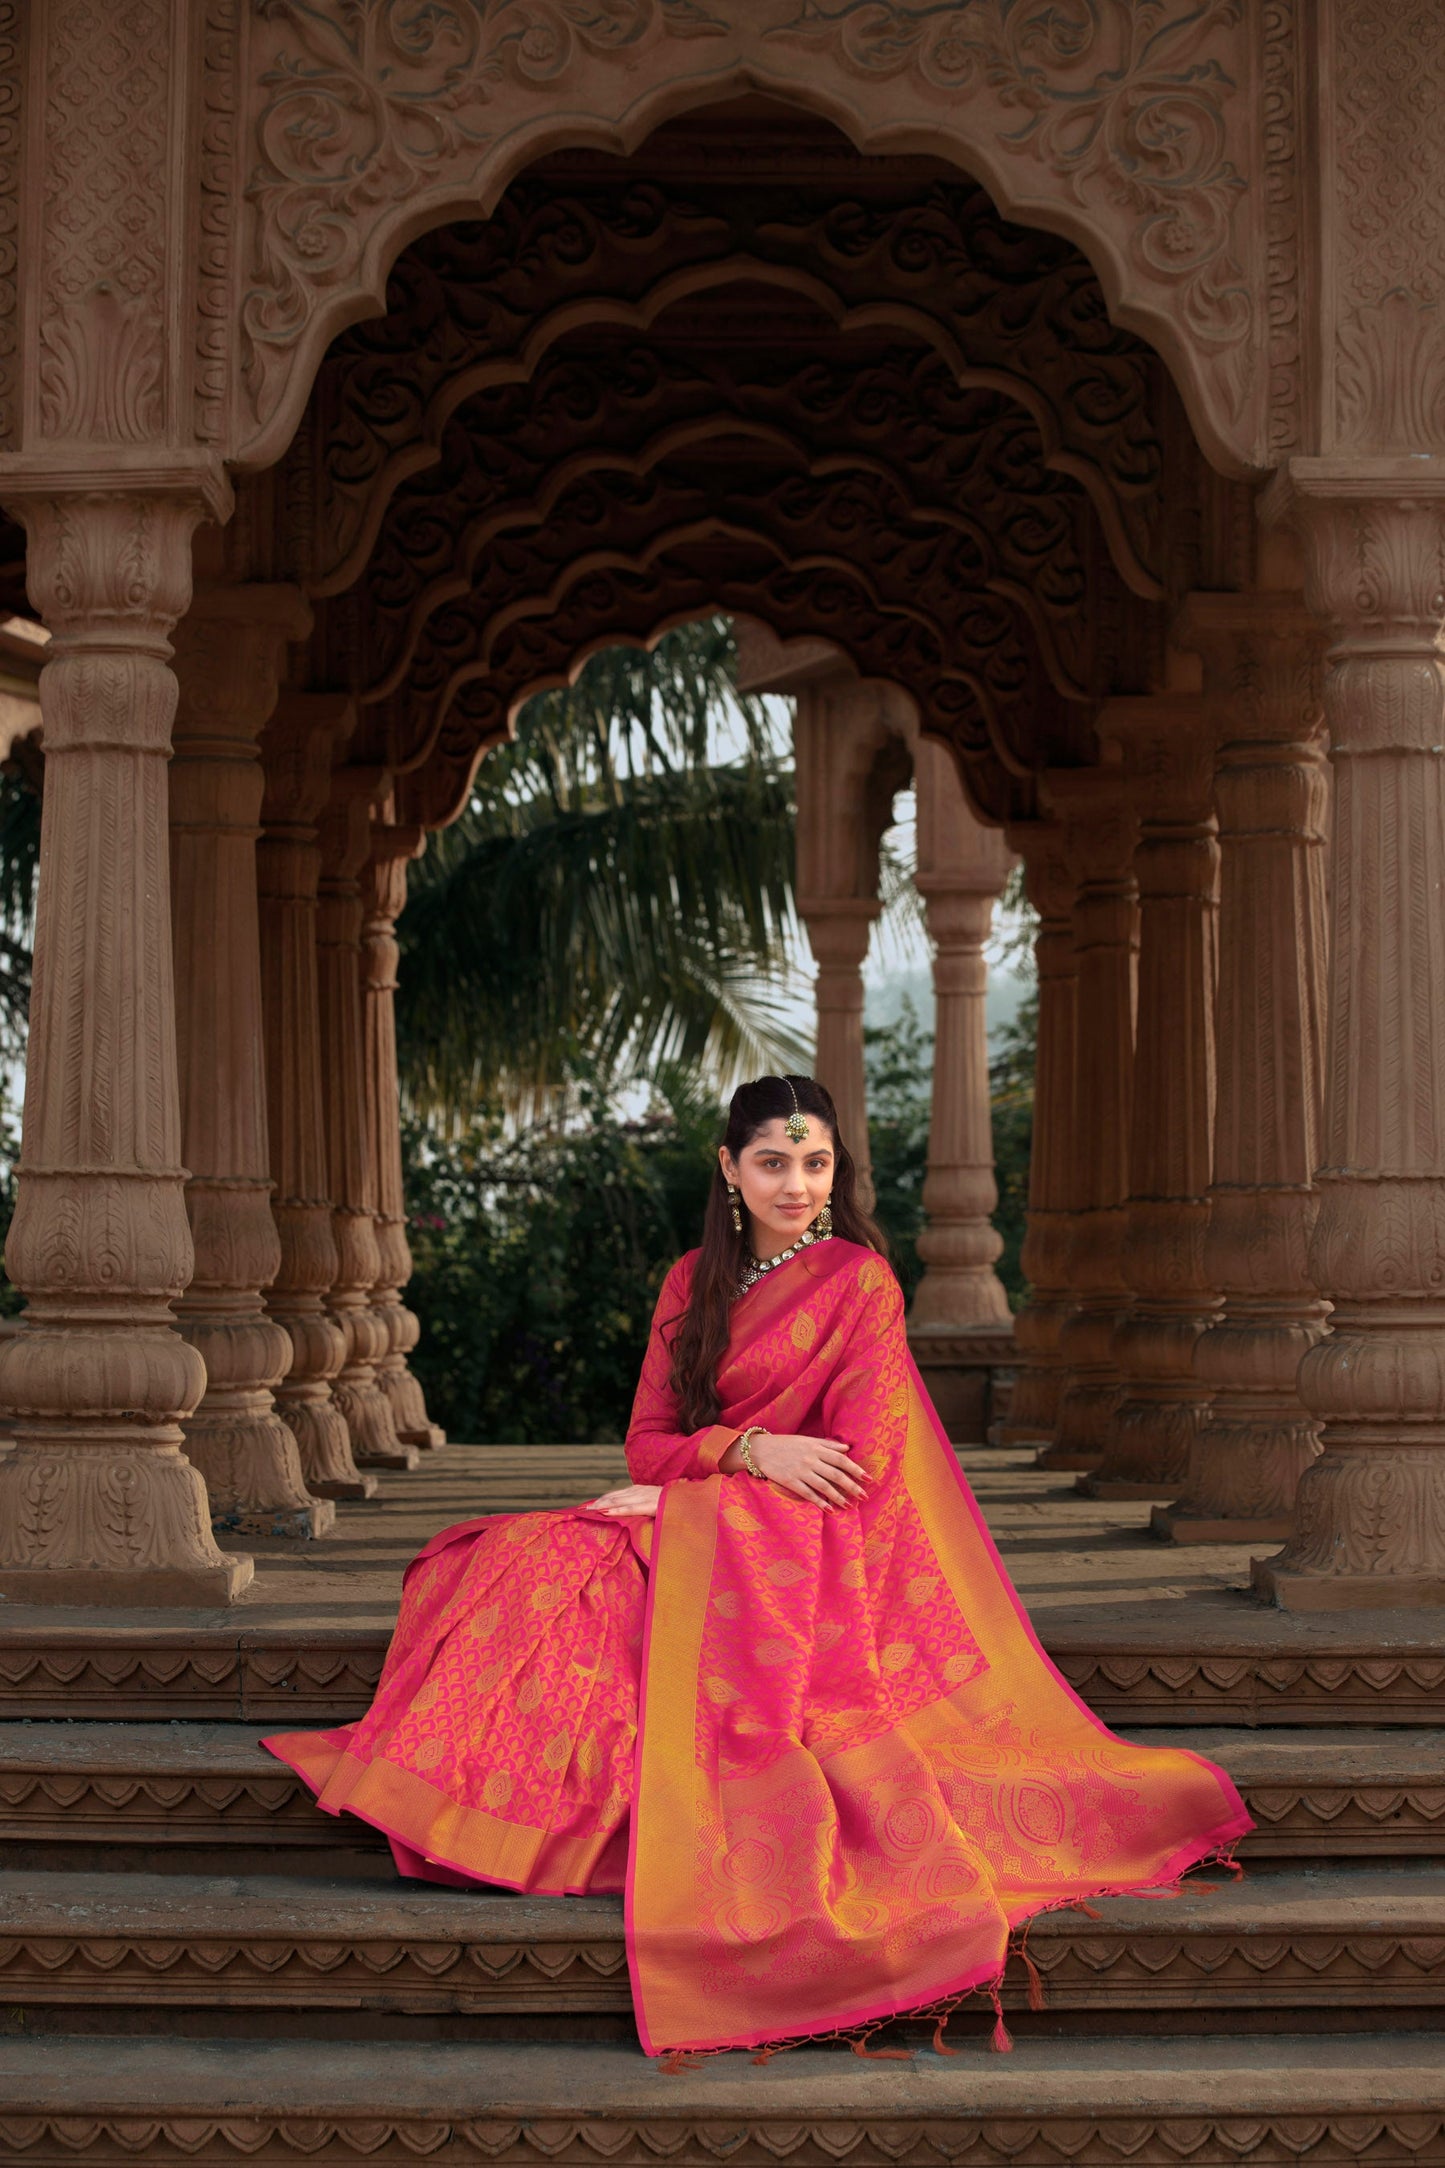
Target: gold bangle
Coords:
[(745, 1451)]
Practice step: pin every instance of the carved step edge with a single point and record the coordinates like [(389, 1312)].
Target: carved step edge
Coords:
[(1275, 1673), (1364, 1942), (1141, 2103), (1346, 1793)]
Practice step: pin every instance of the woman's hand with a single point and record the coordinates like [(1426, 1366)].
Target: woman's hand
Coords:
[(635, 1501), (813, 1468)]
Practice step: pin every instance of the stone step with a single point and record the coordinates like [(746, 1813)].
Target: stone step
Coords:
[(1360, 1946), (1199, 1666), (1147, 2103), (207, 1797)]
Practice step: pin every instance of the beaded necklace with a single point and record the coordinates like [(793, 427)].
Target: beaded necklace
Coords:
[(755, 1267)]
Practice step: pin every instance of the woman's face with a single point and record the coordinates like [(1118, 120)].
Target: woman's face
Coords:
[(784, 1185)]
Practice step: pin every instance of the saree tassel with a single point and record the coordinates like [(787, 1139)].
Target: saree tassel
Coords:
[(1088, 1911), (940, 2045), (679, 2061), (1037, 2000), (1002, 2042), (880, 2055)]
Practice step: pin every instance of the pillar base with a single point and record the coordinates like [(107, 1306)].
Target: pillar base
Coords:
[(1291, 1591), (361, 1485), (1114, 1492), (192, 1588), (1183, 1524), (1066, 1460), (400, 1462), (430, 1440), (298, 1524)]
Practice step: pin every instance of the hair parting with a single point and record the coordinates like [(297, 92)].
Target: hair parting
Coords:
[(698, 1336)]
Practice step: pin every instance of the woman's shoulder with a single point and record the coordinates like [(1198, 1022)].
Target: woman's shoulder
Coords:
[(852, 1265)]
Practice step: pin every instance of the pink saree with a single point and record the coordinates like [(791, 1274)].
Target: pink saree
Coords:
[(824, 1754)]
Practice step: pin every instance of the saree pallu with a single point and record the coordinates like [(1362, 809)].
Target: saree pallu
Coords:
[(824, 1751)]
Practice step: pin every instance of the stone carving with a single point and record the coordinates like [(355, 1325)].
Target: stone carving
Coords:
[(1017, 316), (1049, 886), (1370, 1520), (220, 181), (1136, 117), (1386, 230), (229, 647), (97, 1502), (298, 749), (13, 14), (102, 279), (384, 893), (1262, 682), (1095, 809), (1131, 140), (1280, 180), (329, 1680), (1168, 763)]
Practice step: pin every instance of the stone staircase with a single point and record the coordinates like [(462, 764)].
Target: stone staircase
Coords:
[(197, 1966)]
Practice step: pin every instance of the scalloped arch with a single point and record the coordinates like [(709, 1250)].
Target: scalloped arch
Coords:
[(1140, 151)]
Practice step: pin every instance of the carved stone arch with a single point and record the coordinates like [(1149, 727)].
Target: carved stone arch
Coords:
[(1029, 538), (1137, 149), (536, 640)]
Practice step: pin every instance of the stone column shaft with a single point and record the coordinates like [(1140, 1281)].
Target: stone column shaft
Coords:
[(1050, 887), (1262, 683), (1099, 831), (384, 894), (298, 749), (345, 850), (838, 932), (962, 867), (228, 649), (1168, 765), (98, 1504), (1370, 1512)]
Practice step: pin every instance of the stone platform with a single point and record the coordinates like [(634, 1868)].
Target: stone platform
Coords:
[(1146, 1634)]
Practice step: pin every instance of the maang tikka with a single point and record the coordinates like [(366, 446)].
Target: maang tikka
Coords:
[(795, 1125)]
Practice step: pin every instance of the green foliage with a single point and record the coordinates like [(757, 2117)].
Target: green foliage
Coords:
[(899, 1058), (538, 1263), (19, 871), (1011, 1090), (617, 897)]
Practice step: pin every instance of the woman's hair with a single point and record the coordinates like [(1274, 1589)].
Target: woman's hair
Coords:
[(699, 1336)]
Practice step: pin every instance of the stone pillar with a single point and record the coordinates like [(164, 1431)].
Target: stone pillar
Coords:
[(1099, 829), (1370, 1512), (228, 650), (1169, 768), (960, 1327), (297, 750), (345, 850), (98, 1503), (384, 893), (838, 931), (1046, 1255), (1262, 683)]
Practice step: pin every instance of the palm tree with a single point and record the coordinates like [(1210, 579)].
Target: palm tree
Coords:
[(616, 897)]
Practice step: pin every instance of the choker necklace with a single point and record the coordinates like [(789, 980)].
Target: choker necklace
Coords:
[(756, 1267)]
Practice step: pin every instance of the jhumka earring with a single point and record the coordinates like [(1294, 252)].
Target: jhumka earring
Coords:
[(795, 1125), (825, 1219), (736, 1209)]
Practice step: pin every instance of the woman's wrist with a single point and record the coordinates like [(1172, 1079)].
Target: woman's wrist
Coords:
[(745, 1450)]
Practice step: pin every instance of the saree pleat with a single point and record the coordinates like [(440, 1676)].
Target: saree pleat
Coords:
[(828, 1746)]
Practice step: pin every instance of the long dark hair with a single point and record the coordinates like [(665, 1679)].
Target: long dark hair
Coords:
[(700, 1334)]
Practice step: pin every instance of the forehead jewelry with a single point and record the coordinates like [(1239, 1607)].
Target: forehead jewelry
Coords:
[(795, 1125)]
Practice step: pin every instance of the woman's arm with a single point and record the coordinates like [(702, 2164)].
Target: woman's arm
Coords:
[(659, 1450)]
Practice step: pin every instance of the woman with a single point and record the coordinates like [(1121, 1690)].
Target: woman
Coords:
[(779, 1688)]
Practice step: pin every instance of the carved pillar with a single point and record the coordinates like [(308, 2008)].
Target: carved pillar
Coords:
[(838, 931), (1262, 683), (297, 750), (1168, 765), (345, 850), (1099, 830), (1046, 1255), (98, 1504), (228, 648), (962, 867), (1370, 1513), (384, 893)]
